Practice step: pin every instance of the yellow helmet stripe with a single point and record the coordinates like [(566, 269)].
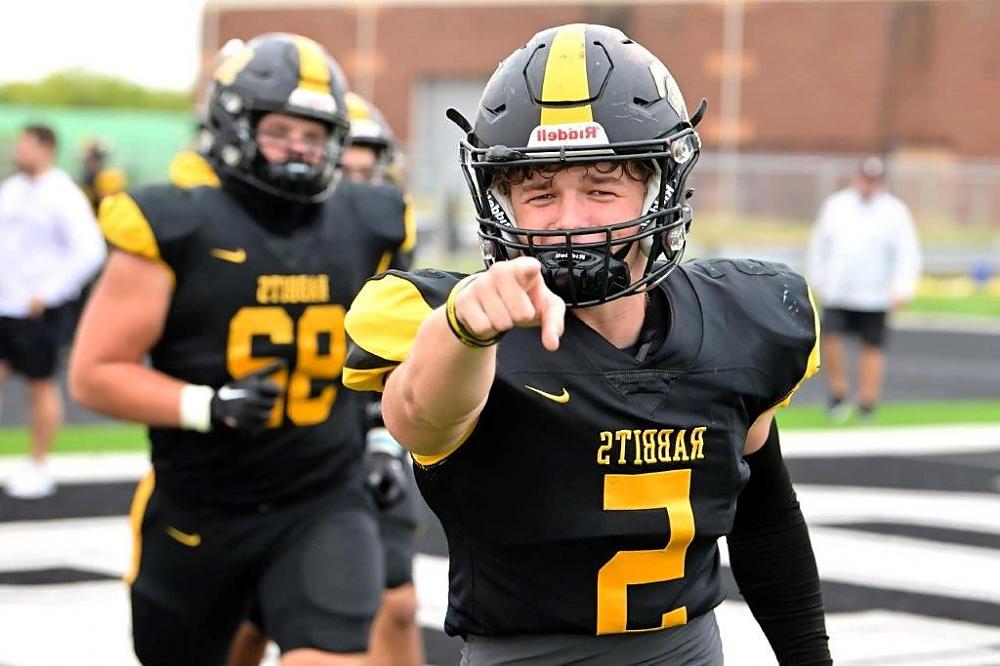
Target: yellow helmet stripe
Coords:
[(357, 107), (314, 74), (566, 77)]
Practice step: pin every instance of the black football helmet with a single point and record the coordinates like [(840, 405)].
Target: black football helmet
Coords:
[(369, 129), (283, 73), (583, 94)]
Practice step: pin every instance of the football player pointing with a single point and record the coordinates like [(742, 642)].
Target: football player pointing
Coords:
[(584, 335), (236, 286)]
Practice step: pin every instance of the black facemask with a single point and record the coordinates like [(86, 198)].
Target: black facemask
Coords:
[(582, 275)]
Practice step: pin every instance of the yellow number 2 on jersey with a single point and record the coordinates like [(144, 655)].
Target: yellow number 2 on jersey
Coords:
[(669, 490)]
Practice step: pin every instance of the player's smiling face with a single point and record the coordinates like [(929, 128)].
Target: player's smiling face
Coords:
[(577, 197)]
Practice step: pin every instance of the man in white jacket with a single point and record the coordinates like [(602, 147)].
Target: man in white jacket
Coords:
[(863, 262), (50, 247)]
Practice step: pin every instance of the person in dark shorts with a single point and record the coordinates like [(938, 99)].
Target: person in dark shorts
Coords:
[(864, 262), (237, 290), (50, 247), (588, 416)]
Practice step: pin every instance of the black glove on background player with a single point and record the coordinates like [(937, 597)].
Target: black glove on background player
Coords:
[(385, 471), (245, 404)]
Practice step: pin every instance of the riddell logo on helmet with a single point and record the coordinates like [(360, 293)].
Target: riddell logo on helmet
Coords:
[(572, 134)]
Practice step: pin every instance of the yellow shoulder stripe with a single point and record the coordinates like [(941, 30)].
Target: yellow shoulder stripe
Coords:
[(565, 77), (410, 226), (189, 169), (126, 228)]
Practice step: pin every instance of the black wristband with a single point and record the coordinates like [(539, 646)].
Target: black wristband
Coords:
[(458, 328)]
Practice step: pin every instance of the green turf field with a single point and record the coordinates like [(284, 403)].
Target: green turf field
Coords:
[(981, 304), (117, 437)]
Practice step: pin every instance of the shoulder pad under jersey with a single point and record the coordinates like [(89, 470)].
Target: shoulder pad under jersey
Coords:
[(770, 308), (151, 222)]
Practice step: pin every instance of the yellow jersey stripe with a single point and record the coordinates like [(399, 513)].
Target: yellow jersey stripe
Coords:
[(409, 226), (371, 379), (383, 263), (135, 515), (314, 74), (126, 228), (566, 77), (427, 461)]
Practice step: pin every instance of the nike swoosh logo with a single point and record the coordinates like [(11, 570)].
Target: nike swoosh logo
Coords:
[(562, 398), (237, 256), (230, 393), (189, 540)]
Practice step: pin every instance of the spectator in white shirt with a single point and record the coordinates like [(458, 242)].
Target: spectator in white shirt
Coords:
[(864, 262), (50, 246)]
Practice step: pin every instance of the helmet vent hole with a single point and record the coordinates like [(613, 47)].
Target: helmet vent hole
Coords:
[(640, 101), (499, 110)]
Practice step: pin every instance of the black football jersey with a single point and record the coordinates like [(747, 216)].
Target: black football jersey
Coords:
[(590, 494), (244, 295)]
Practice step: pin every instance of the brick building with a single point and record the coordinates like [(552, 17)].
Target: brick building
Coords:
[(798, 89), (825, 76)]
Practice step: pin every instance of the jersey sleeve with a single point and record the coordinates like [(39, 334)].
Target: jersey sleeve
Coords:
[(383, 321), (152, 222), (785, 314), (771, 309)]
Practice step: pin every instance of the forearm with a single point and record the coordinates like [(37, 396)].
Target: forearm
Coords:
[(436, 394), (773, 562), (776, 572), (128, 391)]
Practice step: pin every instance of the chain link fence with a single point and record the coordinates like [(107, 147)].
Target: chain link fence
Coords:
[(764, 205)]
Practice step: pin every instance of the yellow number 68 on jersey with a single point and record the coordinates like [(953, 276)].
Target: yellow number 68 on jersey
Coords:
[(314, 360)]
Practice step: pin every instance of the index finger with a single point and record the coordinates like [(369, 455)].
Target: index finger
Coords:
[(552, 319)]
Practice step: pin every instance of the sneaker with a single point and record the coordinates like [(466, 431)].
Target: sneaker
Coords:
[(866, 413), (30, 480), (840, 411)]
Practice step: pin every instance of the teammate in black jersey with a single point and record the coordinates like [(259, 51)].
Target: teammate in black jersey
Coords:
[(396, 638), (237, 291), (588, 415)]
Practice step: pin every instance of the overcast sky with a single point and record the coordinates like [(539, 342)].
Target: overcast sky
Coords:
[(155, 43)]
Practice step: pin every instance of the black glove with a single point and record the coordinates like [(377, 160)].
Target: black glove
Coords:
[(246, 403), (385, 474)]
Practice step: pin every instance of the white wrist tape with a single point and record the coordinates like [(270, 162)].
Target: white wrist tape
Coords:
[(196, 407)]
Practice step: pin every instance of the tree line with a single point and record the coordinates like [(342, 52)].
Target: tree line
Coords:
[(81, 88)]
